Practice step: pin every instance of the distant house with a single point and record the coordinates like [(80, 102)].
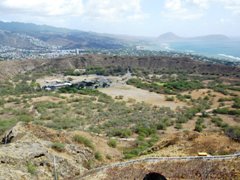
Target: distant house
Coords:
[(103, 82), (58, 85), (94, 84), (85, 84)]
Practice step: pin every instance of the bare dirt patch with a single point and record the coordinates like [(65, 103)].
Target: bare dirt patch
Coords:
[(130, 92), (230, 120), (190, 125)]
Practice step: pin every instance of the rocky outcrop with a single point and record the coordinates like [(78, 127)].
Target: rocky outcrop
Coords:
[(13, 133), (28, 156)]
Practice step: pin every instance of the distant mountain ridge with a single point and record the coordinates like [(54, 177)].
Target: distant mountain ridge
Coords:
[(12, 33), (168, 37), (30, 28), (217, 37), (32, 36)]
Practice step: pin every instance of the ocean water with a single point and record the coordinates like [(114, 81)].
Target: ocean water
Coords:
[(228, 49)]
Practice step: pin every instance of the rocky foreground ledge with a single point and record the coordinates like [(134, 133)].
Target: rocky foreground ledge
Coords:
[(215, 167), (26, 147), (27, 153)]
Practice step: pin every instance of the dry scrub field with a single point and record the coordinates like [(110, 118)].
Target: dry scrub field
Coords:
[(129, 92)]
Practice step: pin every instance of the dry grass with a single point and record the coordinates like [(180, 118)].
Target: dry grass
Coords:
[(189, 143)]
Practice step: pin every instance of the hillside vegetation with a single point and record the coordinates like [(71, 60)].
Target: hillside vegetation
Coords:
[(156, 65), (99, 128)]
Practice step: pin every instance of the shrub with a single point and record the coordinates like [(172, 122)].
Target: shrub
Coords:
[(183, 97), (227, 111), (219, 123), (89, 164), (129, 155), (142, 145), (77, 72), (43, 106), (112, 143), (200, 121), (25, 118), (182, 85), (221, 111), (122, 133), (145, 131), (98, 156), (31, 168), (108, 157), (83, 140), (233, 132), (236, 103), (152, 87), (199, 125), (69, 72), (6, 124), (2, 102), (161, 126), (178, 126), (198, 128), (182, 119), (224, 99), (58, 146), (187, 96), (104, 98), (169, 98), (119, 97)]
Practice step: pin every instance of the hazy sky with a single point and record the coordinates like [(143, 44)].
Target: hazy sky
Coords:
[(134, 17)]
